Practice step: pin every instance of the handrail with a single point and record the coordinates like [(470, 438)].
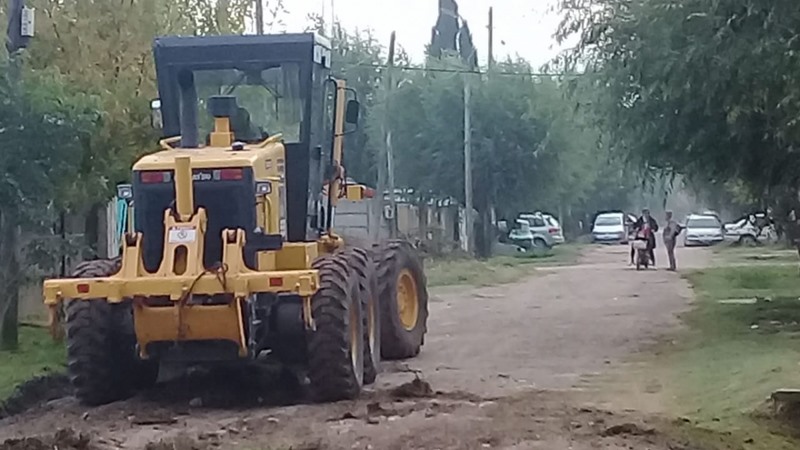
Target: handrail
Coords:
[(165, 143), (270, 140)]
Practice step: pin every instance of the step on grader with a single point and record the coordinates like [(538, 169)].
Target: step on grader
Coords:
[(230, 253)]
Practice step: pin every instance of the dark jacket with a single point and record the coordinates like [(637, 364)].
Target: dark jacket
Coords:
[(653, 228)]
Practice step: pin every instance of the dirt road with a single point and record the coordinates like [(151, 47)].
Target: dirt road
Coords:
[(507, 366)]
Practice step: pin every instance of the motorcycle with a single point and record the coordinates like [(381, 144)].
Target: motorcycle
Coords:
[(641, 245)]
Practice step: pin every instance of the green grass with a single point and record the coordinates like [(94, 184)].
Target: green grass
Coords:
[(496, 270), (763, 281), (561, 255), (736, 355), (766, 254), (37, 354)]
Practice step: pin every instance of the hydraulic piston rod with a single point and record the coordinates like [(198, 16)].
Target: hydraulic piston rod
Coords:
[(184, 190)]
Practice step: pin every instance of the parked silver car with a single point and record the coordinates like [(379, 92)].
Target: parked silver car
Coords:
[(524, 236), (545, 226), (554, 228)]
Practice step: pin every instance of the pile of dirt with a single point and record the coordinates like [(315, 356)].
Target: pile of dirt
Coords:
[(417, 388), (64, 439), (628, 429), (34, 392)]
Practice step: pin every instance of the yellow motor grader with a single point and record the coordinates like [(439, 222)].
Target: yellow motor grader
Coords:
[(230, 253)]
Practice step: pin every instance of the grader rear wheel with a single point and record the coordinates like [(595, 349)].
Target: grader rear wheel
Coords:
[(336, 347), (403, 297), (101, 345)]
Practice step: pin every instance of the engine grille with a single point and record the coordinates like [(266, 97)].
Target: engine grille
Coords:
[(228, 204)]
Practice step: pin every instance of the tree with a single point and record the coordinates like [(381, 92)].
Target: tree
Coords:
[(46, 127), (102, 48), (700, 87), (106, 48), (358, 57)]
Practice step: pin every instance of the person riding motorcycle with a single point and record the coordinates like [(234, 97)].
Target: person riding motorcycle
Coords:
[(647, 226)]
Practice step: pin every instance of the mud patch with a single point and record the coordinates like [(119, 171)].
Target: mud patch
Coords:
[(628, 429), (65, 439), (236, 387), (34, 392)]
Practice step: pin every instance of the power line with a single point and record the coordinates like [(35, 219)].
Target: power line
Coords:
[(466, 71)]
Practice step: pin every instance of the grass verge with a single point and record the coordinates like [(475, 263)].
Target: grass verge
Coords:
[(496, 270), (37, 354), (744, 343), (765, 254)]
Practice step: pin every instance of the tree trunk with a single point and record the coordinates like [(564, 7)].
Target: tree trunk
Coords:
[(491, 230), (62, 231), (91, 232), (487, 233), (422, 219), (9, 281), (9, 337)]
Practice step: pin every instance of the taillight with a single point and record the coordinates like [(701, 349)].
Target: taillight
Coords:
[(151, 177), (231, 174), (552, 230)]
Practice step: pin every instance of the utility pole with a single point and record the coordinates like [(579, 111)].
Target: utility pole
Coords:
[(468, 163), (489, 218), (259, 16), (333, 18), (385, 160), (388, 132), (491, 38)]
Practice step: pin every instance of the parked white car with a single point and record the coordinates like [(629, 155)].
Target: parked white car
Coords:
[(746, 230), (610, 228), (702, 229)]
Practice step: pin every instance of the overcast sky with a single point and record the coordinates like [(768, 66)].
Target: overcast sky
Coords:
[(523, 27)]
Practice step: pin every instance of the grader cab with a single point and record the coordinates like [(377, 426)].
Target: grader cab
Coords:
[(230, 253)]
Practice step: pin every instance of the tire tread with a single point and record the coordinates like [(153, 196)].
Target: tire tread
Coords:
[(329, 363)]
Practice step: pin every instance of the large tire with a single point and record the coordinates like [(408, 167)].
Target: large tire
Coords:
[(361, 263), (102, 363), (335, 347), (401, 279), (86, 269)]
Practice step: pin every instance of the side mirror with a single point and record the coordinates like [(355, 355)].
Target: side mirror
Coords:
[(156, 120), (352, 112), (125, 191)]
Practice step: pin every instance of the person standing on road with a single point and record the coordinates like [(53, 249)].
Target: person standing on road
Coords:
[(671, 231), (650, 222)]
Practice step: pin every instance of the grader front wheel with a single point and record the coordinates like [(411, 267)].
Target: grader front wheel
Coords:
[(335, 347), (101, 345), (403, 297)]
